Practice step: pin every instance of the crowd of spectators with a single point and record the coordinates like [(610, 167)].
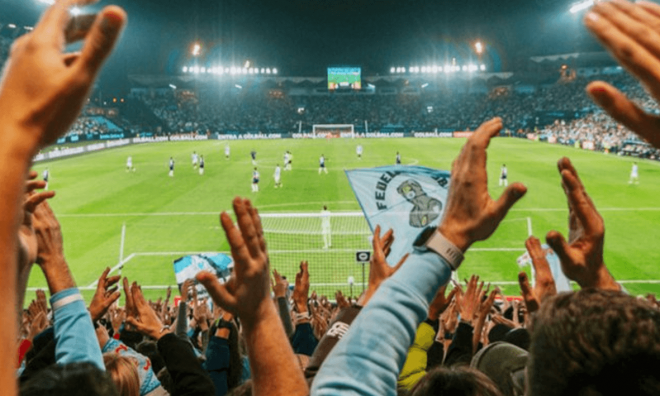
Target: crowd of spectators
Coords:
[(413, 332)]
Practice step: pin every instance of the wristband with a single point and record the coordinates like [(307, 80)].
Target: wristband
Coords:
[(224, 324), (430, 239), (301, 316)]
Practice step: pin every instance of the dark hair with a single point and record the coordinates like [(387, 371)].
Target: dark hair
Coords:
[(149, 349), (74, 379), (460, 380), (595, 342)]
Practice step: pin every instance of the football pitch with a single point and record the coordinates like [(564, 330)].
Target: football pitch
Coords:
[(165, 218)]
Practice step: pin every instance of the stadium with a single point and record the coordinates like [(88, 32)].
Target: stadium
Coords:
[(199, 105)]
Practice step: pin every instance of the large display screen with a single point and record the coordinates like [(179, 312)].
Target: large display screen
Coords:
[(344, 78)]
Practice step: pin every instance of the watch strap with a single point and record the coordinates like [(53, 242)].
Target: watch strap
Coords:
[(445, 249)]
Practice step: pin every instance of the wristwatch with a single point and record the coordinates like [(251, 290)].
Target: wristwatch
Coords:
[(430, 239)]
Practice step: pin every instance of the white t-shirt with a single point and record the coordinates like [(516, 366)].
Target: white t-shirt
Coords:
[(226, 150), (635, 171), (278, 172), (359, 149), (325, 220), (129, 162), (503, 172), (322, 161)]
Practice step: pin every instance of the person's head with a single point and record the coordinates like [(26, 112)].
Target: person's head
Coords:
[(75, 379), (255, 168), (124, 373), (325, 207), (595, 342), (462, 381)]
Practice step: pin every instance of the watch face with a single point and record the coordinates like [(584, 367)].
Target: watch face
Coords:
[(423, 237)]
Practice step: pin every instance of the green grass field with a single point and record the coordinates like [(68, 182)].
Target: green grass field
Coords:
[(167, 216)]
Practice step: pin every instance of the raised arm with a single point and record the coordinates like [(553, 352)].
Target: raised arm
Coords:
[(272, 363)]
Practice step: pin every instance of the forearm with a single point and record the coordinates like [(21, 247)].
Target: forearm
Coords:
[(379, 338), (274, 368), (182, 319), (57, 273), (285, 316), (74, 331), (16, 160)]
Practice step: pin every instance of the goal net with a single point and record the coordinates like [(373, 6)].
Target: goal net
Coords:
[(294, 237), (333, 130)]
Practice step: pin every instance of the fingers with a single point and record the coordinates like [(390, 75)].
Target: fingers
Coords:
[(70, 58), (218, 292), (622, 109), (525, 288), (581, 204), (101, 40), (508, 198), (624, 47), (35, 199), (238, 249), (487, 131), (78, 27), (561, 247), (246, 225), (128, 295), (32, 185), (537, 254)]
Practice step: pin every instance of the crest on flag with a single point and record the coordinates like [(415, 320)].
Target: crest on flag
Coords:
[(406, 199)]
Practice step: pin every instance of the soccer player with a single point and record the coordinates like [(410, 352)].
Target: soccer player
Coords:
[(634, 174), (201, 165), (171, 167), (227, 149), (504, 173), (255, 180), (358, 150), (322, 167), (278, 176), (398, 158), (195, 159), (288, 159), (326, 231), (129, 164), (253, 154), (46, 175)]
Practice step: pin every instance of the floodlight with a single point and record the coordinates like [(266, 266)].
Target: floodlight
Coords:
[(479, 47), (227, 70), (435, 69), (425, 85), (233, 70), (439, 69), (268, 70), (197, 49), (247, 64), (49, 2), (238, 86), (11, 26), (274, 71), (483, 67), (403, 70), (583, 5), (203, 70), (28, 28), (392, 70), (423, 69), (196, 70), (185, 69), (263, 70), (172, 86)]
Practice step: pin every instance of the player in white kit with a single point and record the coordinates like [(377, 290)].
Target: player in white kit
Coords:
[(634, 174), (195, 159), (322, 167), (504, 174), (227, 150), (358, 150), (278, 176), (326, 230), (398, 158), (46, 175), (201, 165), (171, 167), (129, 164), (255, 180)]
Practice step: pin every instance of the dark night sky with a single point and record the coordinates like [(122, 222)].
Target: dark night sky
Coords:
[(303, 37)]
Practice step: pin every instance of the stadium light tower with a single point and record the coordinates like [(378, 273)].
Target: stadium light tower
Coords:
[(197, 49), (479, 47)]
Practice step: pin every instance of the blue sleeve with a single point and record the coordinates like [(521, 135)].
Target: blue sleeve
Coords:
[(217, 364), (303, 340), (74, 332), (367, 361)]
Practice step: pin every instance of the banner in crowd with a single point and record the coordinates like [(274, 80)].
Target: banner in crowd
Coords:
[(562, 283), (188, 266), (406, 199)]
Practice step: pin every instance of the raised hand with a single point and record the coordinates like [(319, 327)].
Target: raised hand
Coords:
[(106, 294), (631, 33), (379, 270), (129, 307), (301, 288), (26, 235), (471, 214), (468, 304), (545, 283), (44, 89), (280, 284), (143, 317), (185, 289), (246, 294), (440, 302), (582, 256)]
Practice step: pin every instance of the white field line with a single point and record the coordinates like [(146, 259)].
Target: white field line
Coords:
[(113, 269), (164, 214), (529, 226)]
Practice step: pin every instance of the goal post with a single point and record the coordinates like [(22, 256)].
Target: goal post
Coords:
[(296, 237), (333, 130)]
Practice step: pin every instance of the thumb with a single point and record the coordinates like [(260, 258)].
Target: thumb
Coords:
[(101, 39), (510, 196), (218, 292)]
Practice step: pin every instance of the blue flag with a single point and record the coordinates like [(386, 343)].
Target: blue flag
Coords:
[(187, 267), (406, 199)]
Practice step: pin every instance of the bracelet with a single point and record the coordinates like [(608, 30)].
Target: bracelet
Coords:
[(301, 316), (224, 324)]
